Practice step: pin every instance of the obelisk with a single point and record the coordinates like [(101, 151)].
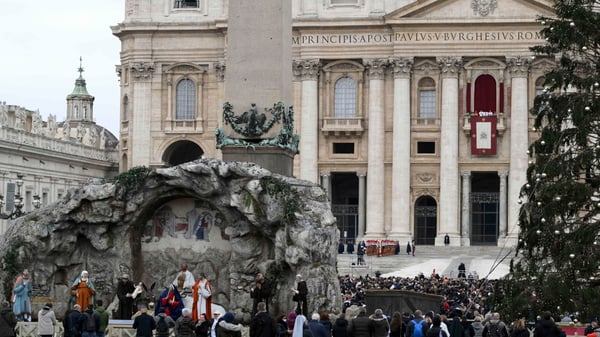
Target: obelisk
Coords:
[(259, 53), (258, 75)]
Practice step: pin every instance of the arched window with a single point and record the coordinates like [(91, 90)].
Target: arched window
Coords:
[(186, 100), (427, 98), (76, 112), (345, 98)]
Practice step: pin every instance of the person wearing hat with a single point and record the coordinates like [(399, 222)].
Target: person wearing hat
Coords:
[(226, 327), (8, 320), (379, 325), (46, 321), (125, 289)]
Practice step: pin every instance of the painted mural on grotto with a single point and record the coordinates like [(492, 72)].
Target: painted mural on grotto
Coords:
[(412, 115)]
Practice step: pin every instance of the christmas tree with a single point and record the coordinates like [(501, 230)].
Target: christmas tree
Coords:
[(558, 257)]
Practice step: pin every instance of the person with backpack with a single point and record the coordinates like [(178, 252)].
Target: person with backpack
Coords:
[(495, 327), (163, 323), (144, 323), (417, 327), (90, 322), (185, 325)]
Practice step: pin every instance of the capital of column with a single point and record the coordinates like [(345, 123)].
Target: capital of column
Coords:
[(402, 66), (375, 68), (465, 174), (220, 70), (142, 71), (325, 174), (306, 69), (503, 174), (518, 66), (361, 174), (449, 65)]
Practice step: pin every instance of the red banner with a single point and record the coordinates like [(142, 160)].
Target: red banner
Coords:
[(483, 134)]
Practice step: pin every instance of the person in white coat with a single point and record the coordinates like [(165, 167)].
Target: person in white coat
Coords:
[(46, 321)]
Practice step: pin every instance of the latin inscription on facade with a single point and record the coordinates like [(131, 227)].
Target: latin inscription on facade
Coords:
[(390, 38)]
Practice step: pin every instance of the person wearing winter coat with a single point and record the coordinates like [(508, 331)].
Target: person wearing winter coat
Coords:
[(547, 328), (104, 317), (359, 326), (435, 330), (340, 327), (519, 329), (46, 321), (8, 321), (477, 327), (185, 325)]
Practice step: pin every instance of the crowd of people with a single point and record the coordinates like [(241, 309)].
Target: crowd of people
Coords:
[(185, 308)]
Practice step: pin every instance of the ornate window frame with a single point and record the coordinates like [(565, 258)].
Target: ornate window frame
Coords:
[(334, 71), (173, 74), (425, 69)]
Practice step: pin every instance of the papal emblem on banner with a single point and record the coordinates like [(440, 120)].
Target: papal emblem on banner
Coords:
[(483, 135)]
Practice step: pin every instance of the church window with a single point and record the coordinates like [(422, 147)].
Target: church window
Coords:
[(345, 98), (85, 112), (427, 98), (186, 100), (186, 4), (75, 112)]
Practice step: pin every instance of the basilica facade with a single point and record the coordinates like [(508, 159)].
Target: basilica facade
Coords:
[(412, 115)]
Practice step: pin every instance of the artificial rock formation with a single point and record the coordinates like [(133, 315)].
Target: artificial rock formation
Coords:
[(263, 222)]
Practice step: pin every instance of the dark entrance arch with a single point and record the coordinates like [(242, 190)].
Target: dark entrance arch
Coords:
[(425, 220), (181, 152)]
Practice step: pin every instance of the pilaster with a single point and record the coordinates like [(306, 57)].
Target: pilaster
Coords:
[(140, 139), (402, 70), (308, 72), (376, 154)]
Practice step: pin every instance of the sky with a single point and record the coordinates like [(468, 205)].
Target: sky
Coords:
[(40, 46)]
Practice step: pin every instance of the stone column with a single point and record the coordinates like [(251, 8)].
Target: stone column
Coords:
[(465, 239), (326, 183), (518, 68), (450, 67), (308, 72), (376, 146), (361, 204), (402, 68), (220, 68), (502, 202), (140, 140)]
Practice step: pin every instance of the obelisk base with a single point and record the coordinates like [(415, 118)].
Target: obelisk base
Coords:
[(274, 159)]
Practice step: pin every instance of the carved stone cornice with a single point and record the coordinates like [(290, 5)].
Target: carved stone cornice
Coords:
[(306, 69), (142, 71), (376, 68), (518, 66), (402, 67), (220, 70), (449, 65)]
